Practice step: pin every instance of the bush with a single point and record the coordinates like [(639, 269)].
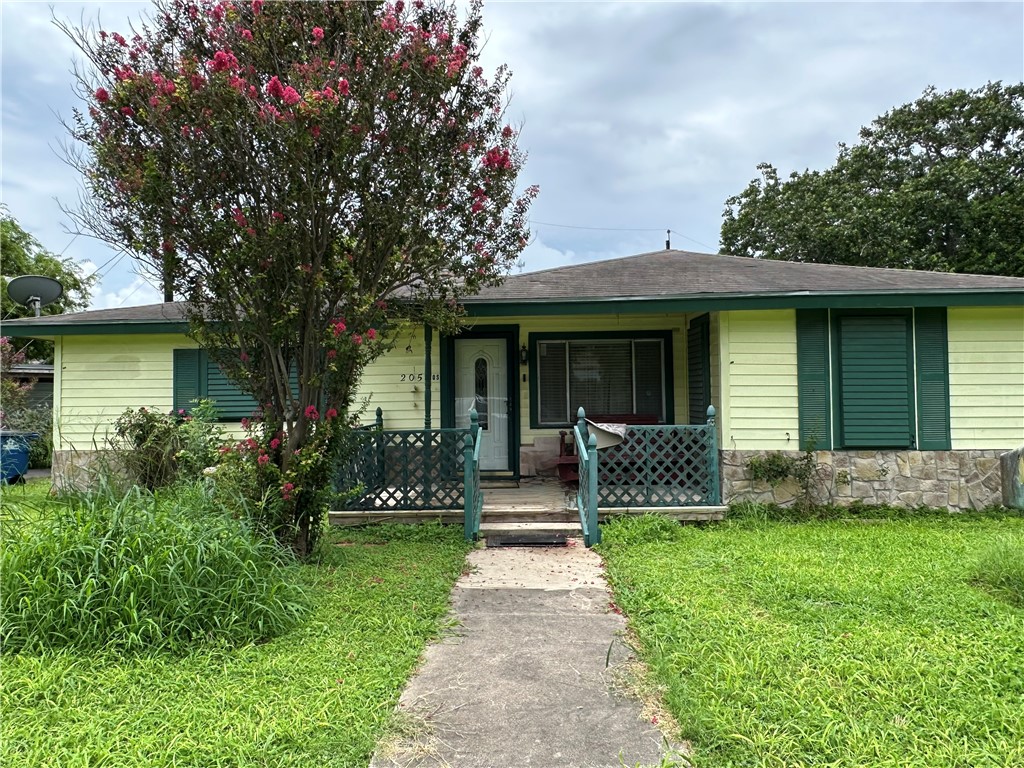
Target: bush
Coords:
[(141, 572), (157, 449), (1001, 569), (39, 419)]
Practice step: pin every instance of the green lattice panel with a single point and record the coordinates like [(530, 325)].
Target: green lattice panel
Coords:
[(662, 466), (406, 469)]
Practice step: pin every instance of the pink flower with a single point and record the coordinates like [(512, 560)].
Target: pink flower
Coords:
[(357, 339), (181, 411), (318, 35), (223, 61), (343, 87), (257, 6), (239, 217), (244, 357), (224, 449), (120, 40), (389, 23), (392, 96), (251, 444), (197, 81), (331, 354), (497, 158), (312, 413), (102, 96), (339, 327), (275, 444), (331, 414), (277, 216), (507, 131), (371, 334), (381, 304), (275, 88), (247, 34), (127, 111), (263, 459), (245, 423), (290, 96)]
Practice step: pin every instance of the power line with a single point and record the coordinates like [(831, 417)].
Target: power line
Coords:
[(620, 229)]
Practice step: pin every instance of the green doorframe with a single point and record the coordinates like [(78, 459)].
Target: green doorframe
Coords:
[(510, 333)]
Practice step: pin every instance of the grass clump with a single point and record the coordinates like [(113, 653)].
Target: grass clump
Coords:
[(1001, 568), (136, 572), (831, 643), (322, 694)]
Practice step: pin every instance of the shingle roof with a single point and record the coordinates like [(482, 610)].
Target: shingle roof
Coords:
[(665, 274), (658, 275)]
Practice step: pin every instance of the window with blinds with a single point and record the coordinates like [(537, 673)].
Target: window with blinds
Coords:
[(609, 378)]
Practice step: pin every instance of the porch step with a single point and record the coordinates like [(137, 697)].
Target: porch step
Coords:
[(528, 534)]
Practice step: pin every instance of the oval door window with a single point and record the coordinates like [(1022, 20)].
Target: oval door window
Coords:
[(480, 390)]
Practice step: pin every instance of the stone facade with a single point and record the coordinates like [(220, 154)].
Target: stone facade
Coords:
[(957, 480)]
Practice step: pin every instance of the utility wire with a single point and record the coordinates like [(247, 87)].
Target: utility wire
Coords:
[(620, 229)]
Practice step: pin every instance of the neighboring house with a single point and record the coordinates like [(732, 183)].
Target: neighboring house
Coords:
[(912, 382), (40, 376)]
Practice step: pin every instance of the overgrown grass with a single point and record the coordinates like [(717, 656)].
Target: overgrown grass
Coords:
[(828, 643), (322, 694), (135, 572), (1001, 568)]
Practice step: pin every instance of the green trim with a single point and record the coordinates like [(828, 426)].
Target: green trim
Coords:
[(814, 395), (123, 328), (932, 360), (510, 333), (724, 302), (837, 374), (667, 363)]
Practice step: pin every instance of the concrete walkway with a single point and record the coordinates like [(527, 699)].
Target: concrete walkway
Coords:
[(529, 677)]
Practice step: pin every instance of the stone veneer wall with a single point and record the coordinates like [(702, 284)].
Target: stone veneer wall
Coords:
[(957, 480)]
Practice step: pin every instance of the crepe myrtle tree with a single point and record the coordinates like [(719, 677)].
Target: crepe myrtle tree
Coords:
[(307, 176)]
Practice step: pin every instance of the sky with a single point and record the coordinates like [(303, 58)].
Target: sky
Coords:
[(637, 116)]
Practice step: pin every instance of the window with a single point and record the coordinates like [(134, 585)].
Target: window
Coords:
[(196, 377), (614, 377), (874, 379)]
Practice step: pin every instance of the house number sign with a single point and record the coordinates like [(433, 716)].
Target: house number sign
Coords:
[(418, 377)]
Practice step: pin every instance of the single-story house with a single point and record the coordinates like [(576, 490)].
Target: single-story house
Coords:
[(907, 384)]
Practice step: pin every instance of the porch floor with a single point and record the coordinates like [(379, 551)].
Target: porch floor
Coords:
[(535, 500)]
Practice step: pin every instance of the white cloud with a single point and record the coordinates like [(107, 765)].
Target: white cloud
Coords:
[(133, 294)]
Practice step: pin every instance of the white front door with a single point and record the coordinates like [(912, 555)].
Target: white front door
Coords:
[(481, 382)]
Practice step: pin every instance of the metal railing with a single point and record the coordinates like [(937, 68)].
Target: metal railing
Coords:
[(587, 490)]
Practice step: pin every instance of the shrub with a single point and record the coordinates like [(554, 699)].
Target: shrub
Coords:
[(38, 419), (1001, 569), (141, 572), (157, 449)]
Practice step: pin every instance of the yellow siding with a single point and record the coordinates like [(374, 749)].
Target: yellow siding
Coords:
[(98, 377), (595, 323), (986, 377), (758, 380), (393, 383)]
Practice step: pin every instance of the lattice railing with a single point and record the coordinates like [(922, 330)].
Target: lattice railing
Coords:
[(404, 469), (587, 488), (666, 465)]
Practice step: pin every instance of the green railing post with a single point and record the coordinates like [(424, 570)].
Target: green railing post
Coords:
[(716, 488), (468, 488), (593, 529), (381, 474), (474, 423), (581, 420)]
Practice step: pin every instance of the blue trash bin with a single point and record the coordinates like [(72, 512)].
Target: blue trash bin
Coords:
[(14, 454)]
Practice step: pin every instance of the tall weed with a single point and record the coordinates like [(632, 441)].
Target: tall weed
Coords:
[(140, 572), (1001, 569)]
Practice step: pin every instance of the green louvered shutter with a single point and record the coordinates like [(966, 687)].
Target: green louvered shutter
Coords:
[(698, 369), (230, 401), (187, 375), (812, 375), (874, 379), (932, 379)]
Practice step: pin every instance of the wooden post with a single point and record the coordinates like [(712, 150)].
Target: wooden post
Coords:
[(468, 486), (581, 421), (716, 485), (592, 527)]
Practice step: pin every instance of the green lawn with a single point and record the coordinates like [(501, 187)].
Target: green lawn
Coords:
[(828, 644), (321, 695)]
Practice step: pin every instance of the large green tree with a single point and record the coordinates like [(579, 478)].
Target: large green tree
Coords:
[(307, 176), (22, 254), (937, 184)]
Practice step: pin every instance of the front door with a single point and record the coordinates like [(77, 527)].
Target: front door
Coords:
[(481, 382)]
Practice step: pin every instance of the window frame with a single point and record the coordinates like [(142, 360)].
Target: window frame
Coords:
[(665, 337)]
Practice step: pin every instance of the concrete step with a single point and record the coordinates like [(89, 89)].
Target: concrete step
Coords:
[(505, 534)]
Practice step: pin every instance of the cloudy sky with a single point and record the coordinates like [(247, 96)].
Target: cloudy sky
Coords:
[(638, 117)]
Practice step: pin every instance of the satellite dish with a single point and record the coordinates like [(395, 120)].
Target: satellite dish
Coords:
[(34, 291)]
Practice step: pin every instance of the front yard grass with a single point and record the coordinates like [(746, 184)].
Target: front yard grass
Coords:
[(828, 644), (322, 694)]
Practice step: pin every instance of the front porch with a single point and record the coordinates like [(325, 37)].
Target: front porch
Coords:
[(434, 474)]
